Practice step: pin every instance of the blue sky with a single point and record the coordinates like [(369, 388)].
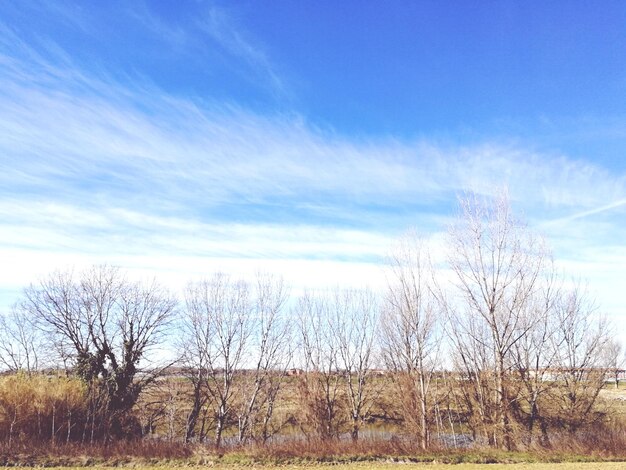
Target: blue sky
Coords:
[(177, 138)]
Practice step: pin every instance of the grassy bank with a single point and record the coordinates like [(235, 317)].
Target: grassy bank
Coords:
[(162, 456), (394, 466)]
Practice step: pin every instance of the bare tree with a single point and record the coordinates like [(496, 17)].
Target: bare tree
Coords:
[(107, 324), (320, 386), (582, 343), (218, 325), (194, 340), (411, 337), (20, 342), (270, 348), (354, 323), (473, 361), (496, 263), (534, 356)]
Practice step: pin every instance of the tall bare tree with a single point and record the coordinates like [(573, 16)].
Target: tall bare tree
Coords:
[(354, 324), (107, 324), (321, 383), (270, 348), (473, 361), (411, 337), (218, 323), (534, 356), (496, 261)]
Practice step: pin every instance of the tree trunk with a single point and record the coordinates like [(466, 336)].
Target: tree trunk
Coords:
[(355, 429), (192, 418), (221, 418)]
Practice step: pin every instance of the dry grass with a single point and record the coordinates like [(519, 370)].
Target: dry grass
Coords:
[(600, 446), (79, 455), (394, 466), (370, 454), (615, 400)]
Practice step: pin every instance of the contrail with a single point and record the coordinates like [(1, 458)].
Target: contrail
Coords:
[(597, 210)]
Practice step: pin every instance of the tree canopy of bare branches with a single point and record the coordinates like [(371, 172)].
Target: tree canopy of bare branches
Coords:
[(497, 263), (218, 326), (354, 323), (21, 344), (271, 349), (236, 342), (411, 334), (104, 325), (320, 386), (583, 349)]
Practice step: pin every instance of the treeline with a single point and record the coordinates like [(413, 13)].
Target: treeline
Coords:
[(489, 345)]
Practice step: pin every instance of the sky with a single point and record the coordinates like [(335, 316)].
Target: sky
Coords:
[(303, 138)]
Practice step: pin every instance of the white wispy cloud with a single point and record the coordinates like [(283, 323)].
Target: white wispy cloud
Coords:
[(223, 28), (60, 122), (97, 169)]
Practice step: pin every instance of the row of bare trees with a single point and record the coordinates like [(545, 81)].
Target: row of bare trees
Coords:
[(338, 331), (237, 347), (517, 330), (485, 339)]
